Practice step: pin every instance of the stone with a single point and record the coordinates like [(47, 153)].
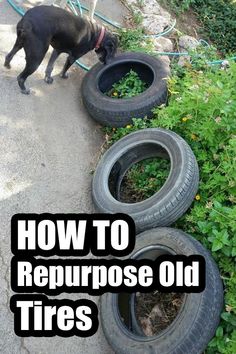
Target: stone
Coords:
[(163, 44), (188, 43), (184, 60), (131, 2), (165, 59), (151, 7), (155, 24), (155, 18)]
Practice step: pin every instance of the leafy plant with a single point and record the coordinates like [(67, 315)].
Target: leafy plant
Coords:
[(133, 40), (179, 6), (146, 177), (130, 85), (217, 18), (140, 3), (202, 109), (137, 17)]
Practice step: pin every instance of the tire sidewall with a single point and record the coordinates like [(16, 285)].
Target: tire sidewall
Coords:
[(178, 152), (186, 327), (92, 94)]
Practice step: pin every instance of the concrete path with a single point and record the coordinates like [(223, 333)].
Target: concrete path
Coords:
[(48, 147)]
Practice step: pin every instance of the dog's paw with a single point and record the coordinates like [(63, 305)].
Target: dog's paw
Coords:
[(48, 80), (25, 91), (64, 75), (7, 65)]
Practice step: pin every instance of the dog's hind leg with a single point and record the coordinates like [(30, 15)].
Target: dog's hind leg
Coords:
[(48, 78), (35, 51), (17, 46)]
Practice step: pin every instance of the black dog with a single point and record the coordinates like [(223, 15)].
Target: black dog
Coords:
[(67, 33)]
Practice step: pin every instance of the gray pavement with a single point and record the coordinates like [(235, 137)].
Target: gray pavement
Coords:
[(48, 147)]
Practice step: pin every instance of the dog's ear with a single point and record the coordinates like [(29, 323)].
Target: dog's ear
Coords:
[(110, 45)]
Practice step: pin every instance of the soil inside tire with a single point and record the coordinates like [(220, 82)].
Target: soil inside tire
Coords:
[(156, 311), (144, 179)]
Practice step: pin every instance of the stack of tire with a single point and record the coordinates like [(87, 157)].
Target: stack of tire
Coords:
[(199, 316)]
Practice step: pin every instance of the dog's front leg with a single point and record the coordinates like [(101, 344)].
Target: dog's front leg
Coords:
[(92, 10), (48, 78), (69, 61)]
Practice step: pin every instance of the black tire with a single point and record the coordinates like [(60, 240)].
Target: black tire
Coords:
[(175, 196), (198, 317), (119, 112)]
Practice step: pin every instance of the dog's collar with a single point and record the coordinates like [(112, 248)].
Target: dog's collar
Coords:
[(100, 38)]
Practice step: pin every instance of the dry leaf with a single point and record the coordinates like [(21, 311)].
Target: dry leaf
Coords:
[(156, 312), (228, 308), (146, 326)]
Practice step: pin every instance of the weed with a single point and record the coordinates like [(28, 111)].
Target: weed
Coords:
[(130, 85), (180, 6), (133, 40), (202, 109), (217, 17), (140, 3), (146, 177), (137, 17)]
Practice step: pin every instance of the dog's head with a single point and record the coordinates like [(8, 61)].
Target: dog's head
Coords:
[(107, 48)]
